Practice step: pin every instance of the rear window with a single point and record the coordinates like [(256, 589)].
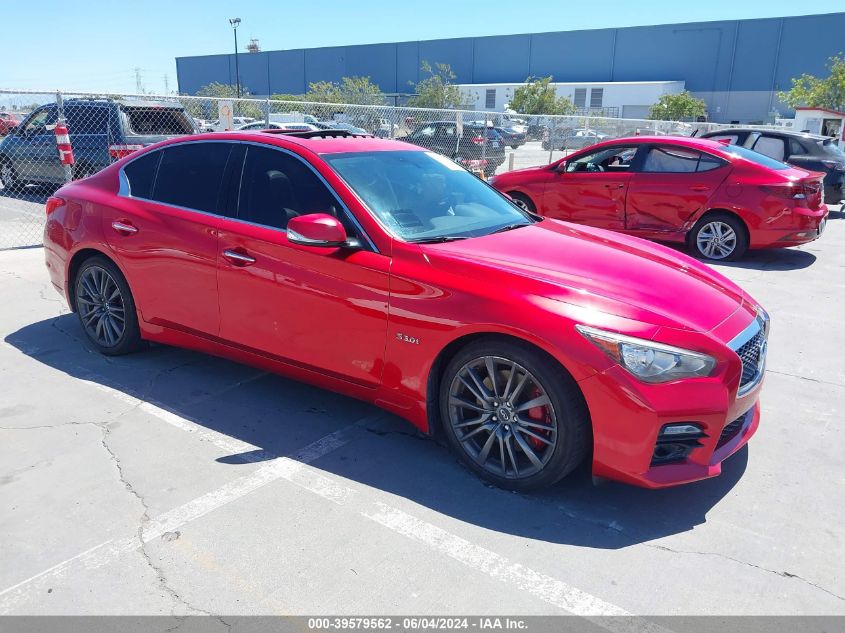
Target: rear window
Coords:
[(157, 121), (140, 174), (678, 160), (189, 175), (756, 157), (830, 146)]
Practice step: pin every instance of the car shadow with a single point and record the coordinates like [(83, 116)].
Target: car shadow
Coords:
[(765, 259), (388, 454)]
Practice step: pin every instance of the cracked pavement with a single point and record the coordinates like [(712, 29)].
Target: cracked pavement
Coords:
[(152, 484)]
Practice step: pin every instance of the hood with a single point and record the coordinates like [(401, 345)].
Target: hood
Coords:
[(516, 174), (597, 269)]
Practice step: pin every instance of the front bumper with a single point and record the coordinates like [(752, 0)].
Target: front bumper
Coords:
[(627, 416)]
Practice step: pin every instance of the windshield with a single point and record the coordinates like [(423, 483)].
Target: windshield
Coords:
[(422, 196), (756, 157)]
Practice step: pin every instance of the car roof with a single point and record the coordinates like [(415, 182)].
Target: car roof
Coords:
[(792, 133), (313, 143), (694, 142)]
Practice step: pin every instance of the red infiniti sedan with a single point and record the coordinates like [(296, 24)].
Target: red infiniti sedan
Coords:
[(717, 199), (389, 273)]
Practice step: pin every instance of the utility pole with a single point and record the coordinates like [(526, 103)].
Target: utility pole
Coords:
[(166, 84), (139, 88), (235, 22)]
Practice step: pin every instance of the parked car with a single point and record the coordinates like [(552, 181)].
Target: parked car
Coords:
[(8, 121), (720, 200), (511, 137), (101, 131), (293, 127), (807, 151), (477, 143), (385, 272), (566, 139)]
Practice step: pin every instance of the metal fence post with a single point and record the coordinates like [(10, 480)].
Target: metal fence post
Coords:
[(267, 112), (67, 172), (551, 129), (484, 145)]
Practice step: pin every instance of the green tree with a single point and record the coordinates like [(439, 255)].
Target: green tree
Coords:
[(677, 107), (818, 92), (216, 90), (360, 91), (538, 96), (287, 97), (437, 90)]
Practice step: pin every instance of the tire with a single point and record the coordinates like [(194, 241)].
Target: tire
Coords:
[(96, 278), (8, 176), (556, 430), (523, 201), (718, 237)]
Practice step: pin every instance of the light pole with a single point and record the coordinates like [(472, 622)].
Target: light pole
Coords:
[(235, 22)]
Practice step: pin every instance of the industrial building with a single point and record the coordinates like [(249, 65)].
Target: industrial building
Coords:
[(627, 99), (736, 66)]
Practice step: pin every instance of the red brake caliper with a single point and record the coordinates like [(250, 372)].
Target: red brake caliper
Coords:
[(537, 414)]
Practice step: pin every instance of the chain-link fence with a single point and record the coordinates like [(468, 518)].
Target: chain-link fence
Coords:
[(105, 127)]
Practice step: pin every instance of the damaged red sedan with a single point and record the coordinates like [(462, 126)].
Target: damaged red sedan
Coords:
[(389, 273), (718, 199)]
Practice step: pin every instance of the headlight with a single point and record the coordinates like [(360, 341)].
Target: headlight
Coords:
[(648, 361)]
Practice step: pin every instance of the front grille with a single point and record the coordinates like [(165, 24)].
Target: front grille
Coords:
[(749, 354), (731, 430)]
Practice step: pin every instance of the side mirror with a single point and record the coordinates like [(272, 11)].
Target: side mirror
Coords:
[(317, 229)]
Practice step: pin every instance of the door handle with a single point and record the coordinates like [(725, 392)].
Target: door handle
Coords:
[(238, 259), (700, 188), (124, 228), (619, 186)]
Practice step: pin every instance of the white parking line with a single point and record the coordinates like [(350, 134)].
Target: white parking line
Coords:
[(292, 468), (296, 470)]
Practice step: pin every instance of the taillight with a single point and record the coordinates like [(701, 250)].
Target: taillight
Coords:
[(53, 203), (791, 191), (119, 151), (478, 140)]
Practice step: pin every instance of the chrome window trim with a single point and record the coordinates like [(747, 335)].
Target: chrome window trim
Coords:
[(746, 335), (123, 189)]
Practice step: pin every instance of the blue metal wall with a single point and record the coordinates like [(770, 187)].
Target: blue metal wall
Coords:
[(735, 65)]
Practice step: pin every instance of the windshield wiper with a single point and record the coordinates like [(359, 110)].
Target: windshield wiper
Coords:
[(439, 239), (508, 227)]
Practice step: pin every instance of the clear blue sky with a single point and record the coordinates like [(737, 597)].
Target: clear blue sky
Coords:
[(106, 41)]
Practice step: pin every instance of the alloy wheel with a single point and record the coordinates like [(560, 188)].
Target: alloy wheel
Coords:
[(716, 240), (101, 306), (502, 417), (7, 175), (521, 204)]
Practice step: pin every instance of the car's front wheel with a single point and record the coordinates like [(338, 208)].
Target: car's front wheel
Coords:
[(512, 415), (720, 237), (523, 201), (106, 307), (8, 175)]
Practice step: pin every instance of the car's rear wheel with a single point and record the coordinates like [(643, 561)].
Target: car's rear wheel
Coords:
[(522, 201), (719, 237), (512, 415), (106, 308)]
